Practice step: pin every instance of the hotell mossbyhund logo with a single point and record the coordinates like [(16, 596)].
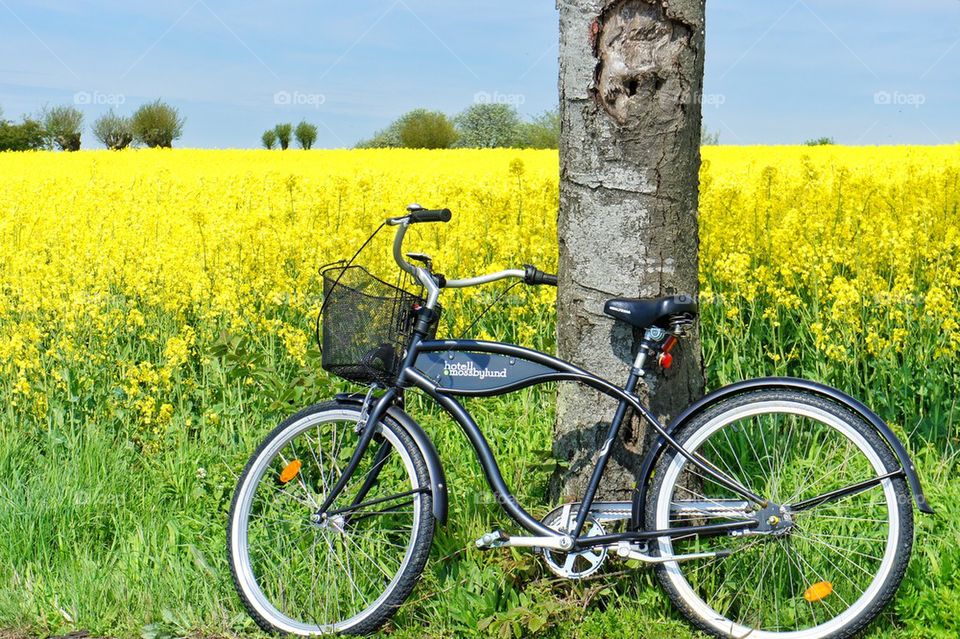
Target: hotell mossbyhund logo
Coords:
[(469, 369)]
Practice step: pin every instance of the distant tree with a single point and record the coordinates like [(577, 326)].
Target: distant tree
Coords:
[(419, 128), (63, 126), (542, 132), (709, 138), (384, 139), (26, 136), (269, 139), (284, 131), (157, 124), (113, 131), (306, 134), (488, 126), (820, 142), (422, 129), (483, 126)]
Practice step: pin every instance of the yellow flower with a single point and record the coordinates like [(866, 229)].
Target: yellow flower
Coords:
[(176, 351), (164, 414), (22, 386), (938, 304), (295, 342), (135, 319)]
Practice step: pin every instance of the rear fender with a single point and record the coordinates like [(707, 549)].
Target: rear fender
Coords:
[(438, 480), (785, 383)]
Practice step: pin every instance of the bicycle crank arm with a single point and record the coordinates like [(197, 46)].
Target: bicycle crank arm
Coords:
[(499, 539)]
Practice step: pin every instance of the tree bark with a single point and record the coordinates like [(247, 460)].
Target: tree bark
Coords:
[(631, 77)]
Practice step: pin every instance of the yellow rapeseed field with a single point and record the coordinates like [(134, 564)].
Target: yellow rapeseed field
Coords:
[(156, 319), (864, 240), (133, 263)]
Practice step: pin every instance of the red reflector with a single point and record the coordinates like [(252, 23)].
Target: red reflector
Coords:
[(666, 360)]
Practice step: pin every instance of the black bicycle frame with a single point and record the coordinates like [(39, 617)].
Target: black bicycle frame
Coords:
[(446, 369)]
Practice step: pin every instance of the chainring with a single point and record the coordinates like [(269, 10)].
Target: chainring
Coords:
[(573, 565)]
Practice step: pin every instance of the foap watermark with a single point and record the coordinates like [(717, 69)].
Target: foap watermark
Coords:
[(496, 97), (299, 98), (715, 100), (98, 98), (97, 499), (899, 98)]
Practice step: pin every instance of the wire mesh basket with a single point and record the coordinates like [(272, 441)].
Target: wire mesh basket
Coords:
[(367, 324)]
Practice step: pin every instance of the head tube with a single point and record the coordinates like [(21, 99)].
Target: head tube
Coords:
[(426, 280)]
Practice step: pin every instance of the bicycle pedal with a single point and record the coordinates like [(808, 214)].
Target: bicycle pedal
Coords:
[(492, 540)]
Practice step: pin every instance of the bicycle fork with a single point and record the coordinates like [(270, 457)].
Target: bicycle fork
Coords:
[(367, 428)]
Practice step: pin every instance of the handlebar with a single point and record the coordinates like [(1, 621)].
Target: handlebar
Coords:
[(534, 276), (423, 215), (529, 274), (418, 214)]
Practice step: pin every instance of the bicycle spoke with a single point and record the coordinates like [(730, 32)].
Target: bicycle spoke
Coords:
[(841, 552), (316, 460), (819, 575), (302, 484)]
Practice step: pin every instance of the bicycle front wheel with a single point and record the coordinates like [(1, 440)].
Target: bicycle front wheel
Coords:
[(815, 568), (346, 573)]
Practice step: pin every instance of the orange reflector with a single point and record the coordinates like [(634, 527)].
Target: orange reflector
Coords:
[(818, 591), (290, 471)]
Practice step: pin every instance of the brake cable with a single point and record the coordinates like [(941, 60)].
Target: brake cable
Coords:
[(489, 306)]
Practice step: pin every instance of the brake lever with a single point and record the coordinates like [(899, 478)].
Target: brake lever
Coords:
[(423, 258)]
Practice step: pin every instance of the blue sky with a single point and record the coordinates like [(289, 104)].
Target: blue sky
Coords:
[(778, 71)]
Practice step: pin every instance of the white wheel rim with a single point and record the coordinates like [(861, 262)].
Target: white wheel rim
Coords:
[(240, 556), (675, 575)]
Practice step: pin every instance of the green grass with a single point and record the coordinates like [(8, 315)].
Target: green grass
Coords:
[(97, 535)]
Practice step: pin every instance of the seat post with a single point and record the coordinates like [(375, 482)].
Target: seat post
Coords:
[(652, 336), (635, 373)]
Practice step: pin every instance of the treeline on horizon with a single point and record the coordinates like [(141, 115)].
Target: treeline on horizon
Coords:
[(157, 125), (154, 124)]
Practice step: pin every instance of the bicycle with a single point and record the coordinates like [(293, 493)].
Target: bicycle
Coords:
[(774, 507)]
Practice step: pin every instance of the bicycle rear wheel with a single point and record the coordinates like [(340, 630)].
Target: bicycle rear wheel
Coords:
[(813, 569), (346, 573)]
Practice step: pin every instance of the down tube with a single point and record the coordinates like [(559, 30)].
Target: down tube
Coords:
[(568, 372), (484, 455)]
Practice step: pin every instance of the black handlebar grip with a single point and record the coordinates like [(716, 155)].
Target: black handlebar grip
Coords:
[(534, 276), (423, 215)]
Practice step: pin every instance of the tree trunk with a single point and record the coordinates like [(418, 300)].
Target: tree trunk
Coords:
[(631, 76)]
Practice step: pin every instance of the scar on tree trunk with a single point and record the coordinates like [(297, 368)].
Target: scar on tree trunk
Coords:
[(631, 41)]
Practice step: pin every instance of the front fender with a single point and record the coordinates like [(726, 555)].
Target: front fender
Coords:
[(786, 383), (438, 479)]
